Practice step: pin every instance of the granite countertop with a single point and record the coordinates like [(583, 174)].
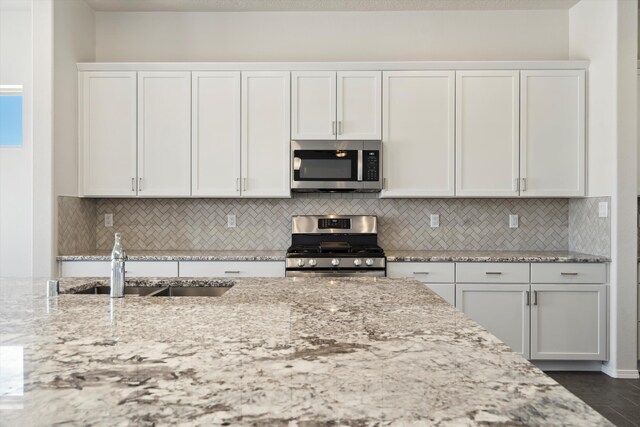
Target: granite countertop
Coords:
[(393, 256), (493, 256), (292, 351), (142, 255)]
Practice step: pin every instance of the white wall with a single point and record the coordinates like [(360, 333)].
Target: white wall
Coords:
[(331, 36), (16, 212), (605, 32)]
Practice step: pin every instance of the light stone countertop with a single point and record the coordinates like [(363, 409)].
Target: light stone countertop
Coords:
[(309, 351), (392, 256)]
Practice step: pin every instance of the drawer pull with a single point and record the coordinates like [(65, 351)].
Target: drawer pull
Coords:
[(420, 272), (232, 272), (569, 274), (493, 272)]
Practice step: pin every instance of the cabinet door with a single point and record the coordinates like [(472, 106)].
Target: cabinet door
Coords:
[(502, 309), (487, 133), (359, 105), (313, 105), (569, 322), (418, 122), (107, 133), (164, 133), (265, 134), (552, 129), (215, 137)]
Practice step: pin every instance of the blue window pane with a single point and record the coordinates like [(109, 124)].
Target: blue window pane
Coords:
[(10, 120)]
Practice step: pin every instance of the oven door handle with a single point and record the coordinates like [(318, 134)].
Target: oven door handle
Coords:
[(360, 164)]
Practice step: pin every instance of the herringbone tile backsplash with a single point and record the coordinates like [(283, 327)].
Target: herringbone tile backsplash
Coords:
[(264, 224), (587, 231), (76, 225)]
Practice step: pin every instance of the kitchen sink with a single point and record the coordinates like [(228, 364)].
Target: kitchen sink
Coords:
[(160, 291)]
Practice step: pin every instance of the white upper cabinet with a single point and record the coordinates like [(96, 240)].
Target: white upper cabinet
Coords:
[(107, 133), (418, 123), (313, 105), (487, 133), (266, 112), (552, 133), (164, 133), (215, 149), (359, 105)]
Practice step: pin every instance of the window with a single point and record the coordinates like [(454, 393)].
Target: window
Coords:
[(10, 116)]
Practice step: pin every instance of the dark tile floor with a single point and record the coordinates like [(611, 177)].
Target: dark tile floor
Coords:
[(617, 400)]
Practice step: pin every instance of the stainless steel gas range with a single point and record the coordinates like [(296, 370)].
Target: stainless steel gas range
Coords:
[(335, 245)]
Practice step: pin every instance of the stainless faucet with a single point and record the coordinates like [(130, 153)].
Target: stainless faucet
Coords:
[(118, 258)]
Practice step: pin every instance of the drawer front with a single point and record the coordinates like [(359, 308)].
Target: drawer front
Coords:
[(151, 269), (568, 273), (232, 269), (426, 272), (85, 268), (492, 272)]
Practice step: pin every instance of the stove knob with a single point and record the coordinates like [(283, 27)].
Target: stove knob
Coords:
[(300, 262), (369, 262), (312, 262), (335, 262), (357, 262)]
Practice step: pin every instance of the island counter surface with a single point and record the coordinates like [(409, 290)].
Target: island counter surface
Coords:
[(268, 352)]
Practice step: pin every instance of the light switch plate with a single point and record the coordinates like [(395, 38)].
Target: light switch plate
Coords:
[(108, 220), (435, 220), (513, 221), (231, 221), (603, 209)]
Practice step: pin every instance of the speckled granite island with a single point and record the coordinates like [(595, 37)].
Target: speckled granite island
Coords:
[(268, 352)]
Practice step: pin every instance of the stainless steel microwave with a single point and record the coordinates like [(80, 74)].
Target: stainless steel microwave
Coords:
[(336, 166)]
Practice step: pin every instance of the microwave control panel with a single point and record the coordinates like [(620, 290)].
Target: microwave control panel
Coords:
[(371, 165)]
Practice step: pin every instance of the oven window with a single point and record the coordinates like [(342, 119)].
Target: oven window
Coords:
[(325, 169)]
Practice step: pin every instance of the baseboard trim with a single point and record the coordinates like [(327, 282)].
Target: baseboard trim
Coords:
[(630, 374), (568, 365)]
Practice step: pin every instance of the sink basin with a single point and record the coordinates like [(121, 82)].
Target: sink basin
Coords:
[(160, 291), (193, 291), (137, 291)]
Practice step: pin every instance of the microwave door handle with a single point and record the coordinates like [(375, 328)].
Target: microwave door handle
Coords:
[(297, 162), (360, 165)]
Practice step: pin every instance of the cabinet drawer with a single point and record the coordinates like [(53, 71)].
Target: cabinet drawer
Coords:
[(426, 272), (133, 269), (568, 273), (232, 269), (492, 272)]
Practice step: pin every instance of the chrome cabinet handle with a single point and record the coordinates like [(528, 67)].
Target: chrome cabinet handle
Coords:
[(140, 184), (384, 183), (535, 298), (568, 274), (516, 185), (244, 184), (527, 296), (333, 127), (237, 184), (420, 272), (133, 184), (232, 272), (493, 272), (339, 127), (524, 184)]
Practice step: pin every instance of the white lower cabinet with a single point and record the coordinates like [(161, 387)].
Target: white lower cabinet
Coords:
[(133, 268), (568, 322), (501, 308), (232, 269), (437, 276)]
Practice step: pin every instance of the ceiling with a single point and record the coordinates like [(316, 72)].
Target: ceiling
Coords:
[(322, 5)]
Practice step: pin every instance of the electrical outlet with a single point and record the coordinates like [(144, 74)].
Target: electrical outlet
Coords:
[(108, 220), (231, 221), (435, 220), (603, 209), (513, 221)]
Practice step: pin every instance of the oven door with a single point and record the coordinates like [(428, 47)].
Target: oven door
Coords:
[(326, 165)]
